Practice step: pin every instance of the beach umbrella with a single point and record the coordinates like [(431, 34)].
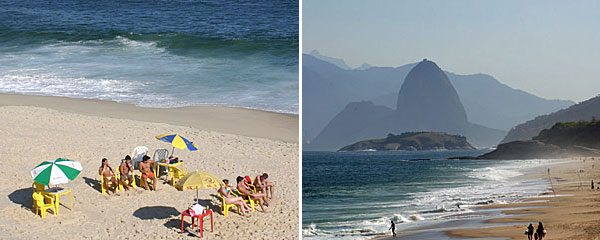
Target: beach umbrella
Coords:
[(177, 141), (198, 180), (56, 171)]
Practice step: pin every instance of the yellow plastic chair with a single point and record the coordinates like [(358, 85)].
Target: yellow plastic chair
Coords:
[(247, 199), (225, 207), (148, 181), (110, 183), (38, 187), (133, 184), (39, 204), (176, 174)]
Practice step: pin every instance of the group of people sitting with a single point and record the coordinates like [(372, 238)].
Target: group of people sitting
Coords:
[(126, 174), (263, 194)]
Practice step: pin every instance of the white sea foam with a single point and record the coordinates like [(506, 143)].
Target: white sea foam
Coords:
[(142, 73), (496, 184)]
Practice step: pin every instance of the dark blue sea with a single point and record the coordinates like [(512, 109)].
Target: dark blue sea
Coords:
[(355, 195), (154, 53)]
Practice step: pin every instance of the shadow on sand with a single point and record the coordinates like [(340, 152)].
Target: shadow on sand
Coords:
[(22, 197), (156, 212), (95, 184)]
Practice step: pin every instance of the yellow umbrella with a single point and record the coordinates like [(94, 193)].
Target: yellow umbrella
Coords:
[(197, 180)]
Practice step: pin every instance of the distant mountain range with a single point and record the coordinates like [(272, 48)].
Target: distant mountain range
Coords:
[(427, 101), (583, 111), (327, 90)]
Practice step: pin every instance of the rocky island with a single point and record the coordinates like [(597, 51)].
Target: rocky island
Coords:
[(412, 141)]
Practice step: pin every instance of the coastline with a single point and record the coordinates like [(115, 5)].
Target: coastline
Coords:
[(571, 214), (40, 128), (239, 121), (568, 212)]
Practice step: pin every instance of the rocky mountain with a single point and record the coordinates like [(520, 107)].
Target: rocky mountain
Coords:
[(327, 89), (583, 111), (560, 141), (412, 141), (427, 102)]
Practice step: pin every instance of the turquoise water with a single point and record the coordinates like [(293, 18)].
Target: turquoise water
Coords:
[(355, 195), (154, 53)]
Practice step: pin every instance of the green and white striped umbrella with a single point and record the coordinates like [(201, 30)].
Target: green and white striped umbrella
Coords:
[(56, 172)]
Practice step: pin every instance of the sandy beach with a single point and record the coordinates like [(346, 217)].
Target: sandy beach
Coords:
[(231, 142), (569, 211), (570, 214)]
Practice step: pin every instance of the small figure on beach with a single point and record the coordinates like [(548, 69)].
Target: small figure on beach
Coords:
[(592, 184), (147, 173), (126, 172), (109, 175), (540, 233), (262, 184), (393, 228), (245, 190), (230, 199), (529, 232)]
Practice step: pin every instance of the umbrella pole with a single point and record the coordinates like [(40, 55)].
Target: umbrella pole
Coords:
[(173, 152), (197, 200)]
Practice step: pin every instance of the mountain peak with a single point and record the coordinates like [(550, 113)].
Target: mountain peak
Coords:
[(428, 96)]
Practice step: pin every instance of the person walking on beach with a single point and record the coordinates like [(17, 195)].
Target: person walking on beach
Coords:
[(541, 233), (592, 184), (393, 228), (530, 232)]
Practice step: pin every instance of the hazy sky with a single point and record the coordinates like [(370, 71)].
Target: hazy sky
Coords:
[(548, 48)]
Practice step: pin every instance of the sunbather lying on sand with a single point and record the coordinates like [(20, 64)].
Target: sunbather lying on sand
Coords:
[(262, 184), (245, 190), (126, 171), (230, 199), (109, 175)]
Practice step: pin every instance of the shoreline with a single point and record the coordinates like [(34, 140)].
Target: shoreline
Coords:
[(232, 120), (34, 133), (501, 221), (568, 212)]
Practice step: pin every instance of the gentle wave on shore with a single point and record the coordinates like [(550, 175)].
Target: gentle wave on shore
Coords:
[(372, 188), (243, 55)]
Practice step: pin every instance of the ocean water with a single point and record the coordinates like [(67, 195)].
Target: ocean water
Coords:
[(354, 195), (154, 53)]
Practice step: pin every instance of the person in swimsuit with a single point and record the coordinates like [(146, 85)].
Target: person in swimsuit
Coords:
[(126, 171), (109, 175), (146, 173), (245, 190), (225, 191), (393, 228), (263, 185)]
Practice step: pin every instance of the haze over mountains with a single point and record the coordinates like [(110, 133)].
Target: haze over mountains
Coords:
[(328, 89), (583, 111)]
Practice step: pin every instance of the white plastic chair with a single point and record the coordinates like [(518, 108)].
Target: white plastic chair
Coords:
[(137, 155)]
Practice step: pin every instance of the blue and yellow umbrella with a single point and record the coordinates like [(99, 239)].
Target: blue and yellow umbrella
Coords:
[(177, 142)]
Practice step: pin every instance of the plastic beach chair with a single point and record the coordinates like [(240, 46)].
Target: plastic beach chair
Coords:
[(225, 207), (246, 198), (137, 155), (40, 205)]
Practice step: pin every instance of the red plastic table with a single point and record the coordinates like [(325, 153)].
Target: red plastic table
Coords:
[(200, 217)]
